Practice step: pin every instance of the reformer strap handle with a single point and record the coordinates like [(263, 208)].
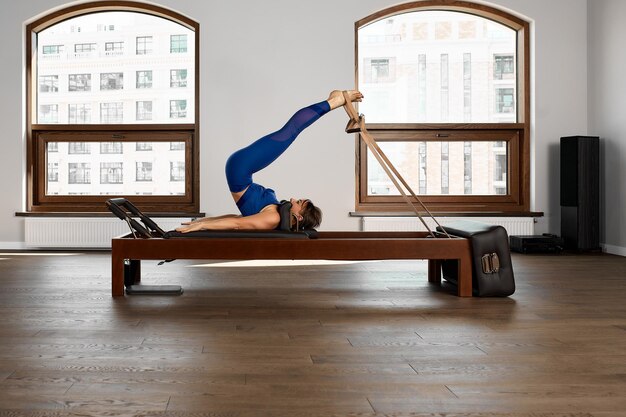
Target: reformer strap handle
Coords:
[(390, 169)]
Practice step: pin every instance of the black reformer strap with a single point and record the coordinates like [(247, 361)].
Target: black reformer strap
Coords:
[(357, 124)]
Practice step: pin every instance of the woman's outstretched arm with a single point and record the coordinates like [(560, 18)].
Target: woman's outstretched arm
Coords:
[(267, 220), (203, 219)]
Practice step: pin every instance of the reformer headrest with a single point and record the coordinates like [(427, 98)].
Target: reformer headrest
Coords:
[(284, 209)]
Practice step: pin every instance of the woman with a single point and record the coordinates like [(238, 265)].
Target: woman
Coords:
[(258, 205)]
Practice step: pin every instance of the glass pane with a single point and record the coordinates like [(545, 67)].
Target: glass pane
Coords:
[(130, 70), (115, 168), (442, 168), (437, 67)]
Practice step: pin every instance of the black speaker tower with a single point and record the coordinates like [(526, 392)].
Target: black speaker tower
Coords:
[(580, 192)]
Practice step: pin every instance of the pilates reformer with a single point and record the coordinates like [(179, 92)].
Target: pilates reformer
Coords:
[(147, 241)]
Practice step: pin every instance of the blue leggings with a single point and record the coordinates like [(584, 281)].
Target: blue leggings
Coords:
[(256, 156)]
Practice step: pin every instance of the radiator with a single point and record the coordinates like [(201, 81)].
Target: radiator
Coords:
[(513, 225), (80, 232), (96, 233)]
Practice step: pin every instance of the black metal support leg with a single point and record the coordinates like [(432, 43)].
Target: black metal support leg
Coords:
[(132, 282)]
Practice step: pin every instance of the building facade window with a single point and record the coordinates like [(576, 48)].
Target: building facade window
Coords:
[(79, 82), (111, 173), (111, 147), (448, 83), (111, 113), (177, 146), (143, 146), (445, 87), (144, 79), (143, 171), (51, 49), (445, 168), (505, 100), (144, 110), (112, 81), (113, 48), (379, 70), (79, 173), (79, 148), (467, 167), (49, 84), (421, 87), (84, 47), (503, 66), (49, 113), (79, 113), (105, 27), (178, 78), (177, 171), (500, 168), (422, 168), (178, 109), (144, 45), (178, 44), (467, 87), (53, 171)]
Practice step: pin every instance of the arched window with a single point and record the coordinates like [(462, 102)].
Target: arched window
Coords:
[(112, 108), (447, 98)]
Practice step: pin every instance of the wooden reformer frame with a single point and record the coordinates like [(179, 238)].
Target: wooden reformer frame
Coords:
[(128, 252)]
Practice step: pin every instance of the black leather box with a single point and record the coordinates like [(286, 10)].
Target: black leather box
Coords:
[(536, 244), (492, 270)]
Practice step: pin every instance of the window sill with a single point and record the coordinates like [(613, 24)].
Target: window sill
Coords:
[(447, 214)]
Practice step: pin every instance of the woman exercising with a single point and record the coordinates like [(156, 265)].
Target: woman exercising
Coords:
[(258, 205)]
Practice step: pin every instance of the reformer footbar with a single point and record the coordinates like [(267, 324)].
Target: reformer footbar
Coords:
[(124, 209), (121, 207), (357, 124)]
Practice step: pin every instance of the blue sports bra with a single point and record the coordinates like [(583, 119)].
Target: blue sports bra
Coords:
[(255, 198)]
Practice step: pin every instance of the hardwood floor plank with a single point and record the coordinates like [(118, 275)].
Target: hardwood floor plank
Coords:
[(93, 404), (539, 390), (274, 402), (496, 405)]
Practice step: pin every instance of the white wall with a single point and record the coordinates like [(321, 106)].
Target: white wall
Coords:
[(262, 60), (607, 113)]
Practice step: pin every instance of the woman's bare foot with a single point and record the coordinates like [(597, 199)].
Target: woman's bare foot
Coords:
[(336, 97)]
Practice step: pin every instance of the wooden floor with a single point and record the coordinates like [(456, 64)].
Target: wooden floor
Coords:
[(362, 339)]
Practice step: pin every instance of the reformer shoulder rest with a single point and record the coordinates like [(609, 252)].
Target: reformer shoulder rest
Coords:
[(126, 211)]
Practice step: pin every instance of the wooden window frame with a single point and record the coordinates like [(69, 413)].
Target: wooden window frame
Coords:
[(60, 202), (446, 203), (38, 135), (517, 201)]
